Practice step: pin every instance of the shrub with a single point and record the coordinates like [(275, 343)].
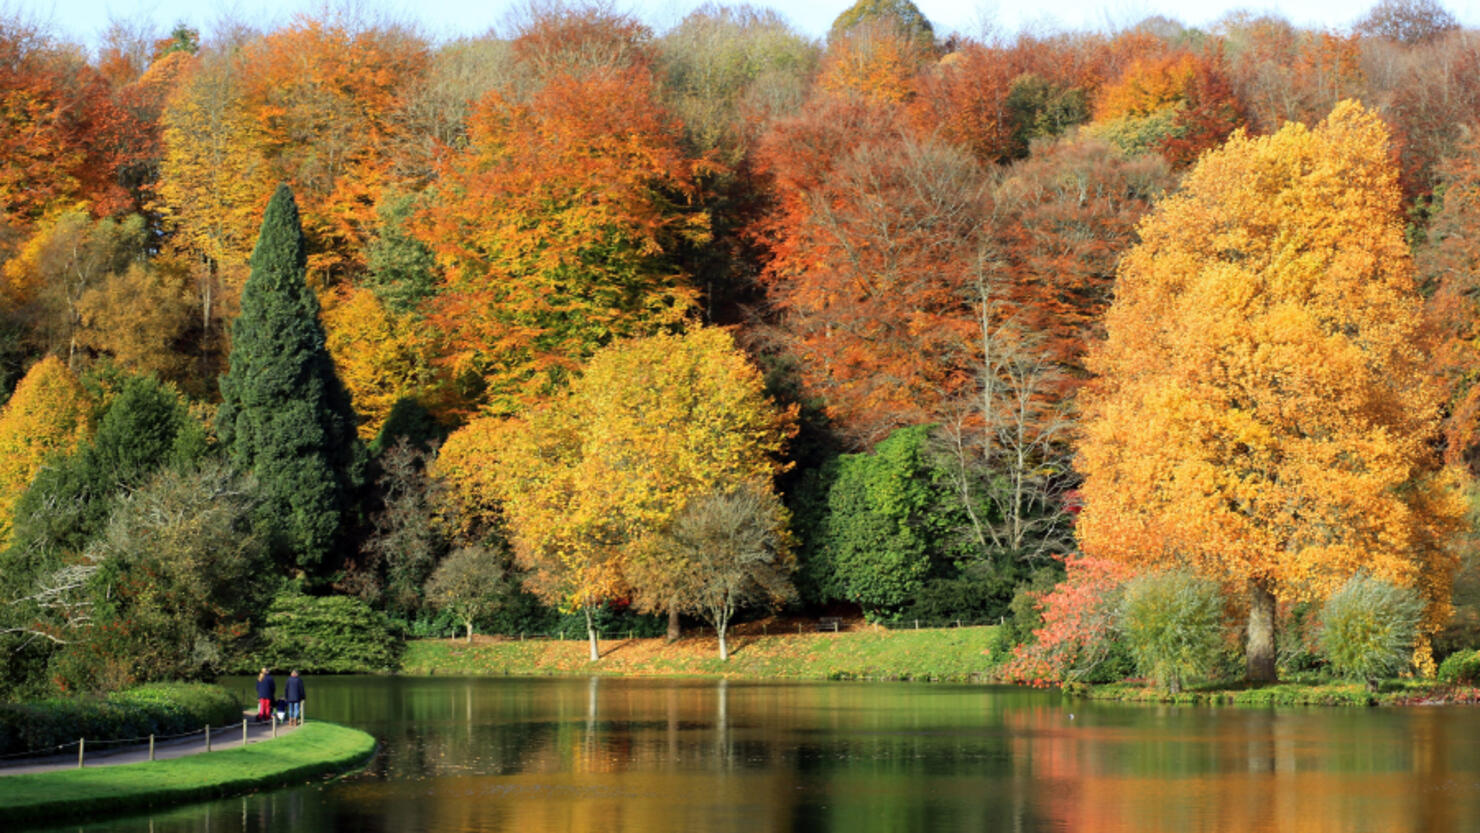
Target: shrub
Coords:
[(1077, 640), (159, 709), (324, 635), (1461, 668), (1369, 627), (1172, 622)]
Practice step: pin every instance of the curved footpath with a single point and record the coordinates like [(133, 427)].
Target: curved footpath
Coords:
[(49, 791)]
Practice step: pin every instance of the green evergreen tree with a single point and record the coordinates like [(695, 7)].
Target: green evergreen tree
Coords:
[(285, 416)]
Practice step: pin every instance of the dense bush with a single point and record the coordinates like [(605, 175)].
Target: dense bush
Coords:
[(159, 709), (1076, 639), (325, 635), (1369, 627), (875, 528), (1461, 668), (1172, 624)]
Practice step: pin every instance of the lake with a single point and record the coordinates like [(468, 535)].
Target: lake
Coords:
[(654, 756)]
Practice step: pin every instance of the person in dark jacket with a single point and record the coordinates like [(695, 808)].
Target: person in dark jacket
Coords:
[(266, 693), (293, 693)]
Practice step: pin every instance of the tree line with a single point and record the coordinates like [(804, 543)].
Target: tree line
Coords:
[(585, 317)]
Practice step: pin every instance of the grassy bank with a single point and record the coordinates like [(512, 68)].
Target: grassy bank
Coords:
[(317, 748), (946, 654), (1313, 692)]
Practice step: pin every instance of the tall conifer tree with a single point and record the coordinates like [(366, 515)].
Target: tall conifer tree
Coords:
[(285, 415)]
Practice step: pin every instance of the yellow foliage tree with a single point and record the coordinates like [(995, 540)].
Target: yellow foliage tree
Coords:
[(1262, 413), (381, 357), (49, 413), (588, 481)]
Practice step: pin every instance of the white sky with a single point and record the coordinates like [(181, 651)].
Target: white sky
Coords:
[(83, 20)]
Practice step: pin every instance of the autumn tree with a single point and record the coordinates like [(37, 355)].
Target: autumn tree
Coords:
[(875, 239), (556, 231), (211, 190), (1448, 264), (70, 256), (381, 357), (407, 536), (48, 414), (326, 100), (285, 416), (588, 482), (728, 69), (1262, 413)]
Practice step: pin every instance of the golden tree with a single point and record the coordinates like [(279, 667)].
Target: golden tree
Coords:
[(1262, 412), (589, 481), (48, 414)]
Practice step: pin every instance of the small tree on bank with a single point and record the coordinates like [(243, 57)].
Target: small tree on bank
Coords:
[(285, 417), (1172, 622), (1369, 628), (728, 550), (468, 584)]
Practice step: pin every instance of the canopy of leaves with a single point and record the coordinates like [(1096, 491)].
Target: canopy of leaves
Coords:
[(587, 482), (1261, 411), (49, 414), (556, 231)]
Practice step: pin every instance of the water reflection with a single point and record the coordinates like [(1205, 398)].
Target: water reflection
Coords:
[(540, 756)]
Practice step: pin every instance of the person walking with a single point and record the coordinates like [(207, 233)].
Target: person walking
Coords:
[(293, 693), (266, 693)]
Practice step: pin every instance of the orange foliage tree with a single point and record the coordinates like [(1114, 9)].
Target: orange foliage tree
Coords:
[(557, 230), (381, 357), (1262, 412), (1449, 267), (875, 241), (327, 104)]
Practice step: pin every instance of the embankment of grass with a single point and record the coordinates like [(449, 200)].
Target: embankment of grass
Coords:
[(315, 749), (1398, 692), (862, 653)]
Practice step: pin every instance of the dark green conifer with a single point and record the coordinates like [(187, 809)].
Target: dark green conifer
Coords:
[(285, 416)]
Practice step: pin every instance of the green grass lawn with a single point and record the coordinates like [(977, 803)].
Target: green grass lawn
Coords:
[(946, 654), (315, 749)]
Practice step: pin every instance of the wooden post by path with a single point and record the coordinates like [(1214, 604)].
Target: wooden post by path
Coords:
[(244, 732), (151, 747), (81, 744), (208, 737)]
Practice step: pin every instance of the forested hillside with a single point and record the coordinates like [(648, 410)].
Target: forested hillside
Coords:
[(338, 333)]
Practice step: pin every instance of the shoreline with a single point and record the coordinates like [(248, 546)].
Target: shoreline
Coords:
[(315, 749), (948, 655)]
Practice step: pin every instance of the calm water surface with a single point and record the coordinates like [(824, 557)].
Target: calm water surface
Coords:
[(571, 755)]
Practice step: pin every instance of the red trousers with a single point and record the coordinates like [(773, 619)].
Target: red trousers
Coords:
[(264, 708)]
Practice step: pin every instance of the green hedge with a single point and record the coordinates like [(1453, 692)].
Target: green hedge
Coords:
[(160, 709), (323, 635)]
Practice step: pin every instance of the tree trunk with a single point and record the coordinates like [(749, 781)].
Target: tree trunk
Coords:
[(674, 632), (591, 634), (469, 625), (1260, 648), (724, 649)]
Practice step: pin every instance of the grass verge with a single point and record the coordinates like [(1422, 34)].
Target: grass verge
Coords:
[(1296, 692), (317, 748), (945, 654)]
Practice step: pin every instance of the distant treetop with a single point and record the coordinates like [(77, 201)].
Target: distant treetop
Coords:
[(903, 14)]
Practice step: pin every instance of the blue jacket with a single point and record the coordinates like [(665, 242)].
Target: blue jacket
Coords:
[(266, 688), (293, 690)]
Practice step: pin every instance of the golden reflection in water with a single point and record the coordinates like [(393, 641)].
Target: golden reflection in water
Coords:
[(607, 756)]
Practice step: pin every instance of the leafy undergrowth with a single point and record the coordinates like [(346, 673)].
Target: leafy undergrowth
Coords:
[(1294, 692), (318, 748), (756, 652)]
